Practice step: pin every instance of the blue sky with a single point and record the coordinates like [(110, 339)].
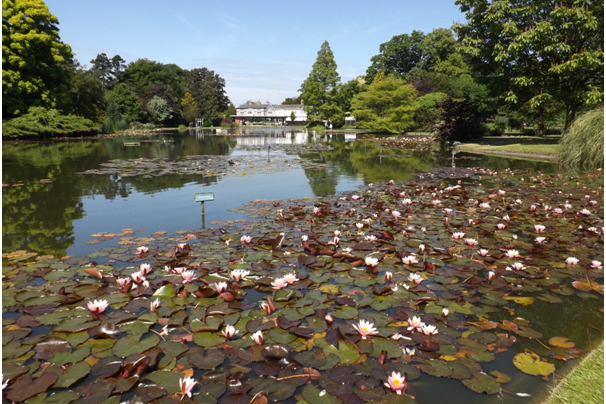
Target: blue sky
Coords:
[(263, 49)]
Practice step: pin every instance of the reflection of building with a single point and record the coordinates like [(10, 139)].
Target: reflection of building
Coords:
[(281, 137), (250, 114)]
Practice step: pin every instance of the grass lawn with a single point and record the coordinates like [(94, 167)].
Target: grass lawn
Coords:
[(584, 384), (513, 144)]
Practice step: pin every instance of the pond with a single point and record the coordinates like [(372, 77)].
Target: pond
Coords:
[(96, 201)]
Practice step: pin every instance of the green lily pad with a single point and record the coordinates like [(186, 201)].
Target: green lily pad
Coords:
[(313, 395), (208, 339), (530, 363), (482, 383), (347, 352), (131, 344)]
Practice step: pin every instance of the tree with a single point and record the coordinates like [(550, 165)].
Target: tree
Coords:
[(33, 59), (143, 74), (461, 120), (350, 90), (292, 101), (208, 89), (537, 51), (398, 55), (387, 105), (319, 91), (160, 109), (87, 94), (190, 107), (109, 71), (124, 104)]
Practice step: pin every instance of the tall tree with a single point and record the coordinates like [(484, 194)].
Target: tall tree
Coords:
[(208, 89), (319, 91), (387, 105), (109, 71), (190, 107), (123, 103), (34, 59), (87, 94), (537, 51), (398, 55), (144, 73)]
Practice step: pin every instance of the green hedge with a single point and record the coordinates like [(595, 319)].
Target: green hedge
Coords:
[(40, 122)]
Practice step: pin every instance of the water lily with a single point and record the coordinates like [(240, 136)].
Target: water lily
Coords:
[(559, 211), (539, 228), (421, 248), (370, 238), (123, 281), (142, 250), (145, 269), (182, 246), (238, 274), (485, 205), (409, 260), (229, 331), (97, 306), (415, 323), (179, 270), (506, 218), (258, 337), (585, 212), (153, 305), (415, 278), (501, 226), (518, 266), (188, 276), (540, 240), (436, 202), (365, 328), (490, 275), (388, 276), (512, 253), (329, 318), (371, 261), (447, 211), (137, 277), (501, 192), (304, 238), (471, 241), (458, 235), (483, 252), (290, 278), (596, 264), (445, 312), (396, 382), (406, 202), (221, 287), (429, 329), (572, 261), (395, 214), (316, 210), (245, 239), (355, 197), (186, 385), (279, 283), (368, 221), (567, 206), (359, 226), (408, 351)]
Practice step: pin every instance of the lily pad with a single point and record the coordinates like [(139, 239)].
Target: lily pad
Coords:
[(530, 363)]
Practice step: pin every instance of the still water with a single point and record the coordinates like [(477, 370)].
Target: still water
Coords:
[(50, 207)]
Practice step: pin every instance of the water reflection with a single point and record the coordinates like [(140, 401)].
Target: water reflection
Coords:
[(58, 215)]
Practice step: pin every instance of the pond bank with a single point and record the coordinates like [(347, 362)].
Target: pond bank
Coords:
[(525, 147)]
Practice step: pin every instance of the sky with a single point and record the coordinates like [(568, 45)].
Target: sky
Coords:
[(263, 49)]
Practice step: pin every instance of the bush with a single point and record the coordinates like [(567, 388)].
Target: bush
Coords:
[(495, 128), (42, 122), (582, 145), (461, 120), (226, 123)]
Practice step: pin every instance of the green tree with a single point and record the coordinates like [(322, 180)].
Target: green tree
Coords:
[(387, 105), (109, 71), (33, 59), (87, 94), (160, 109), (292, 100), (350, 90), (123, 103), (398, 55), (537, 51), (143, 74), (319, 91), (208, 89), (190, 107)]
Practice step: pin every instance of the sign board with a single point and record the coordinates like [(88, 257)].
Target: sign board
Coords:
[(204, 197)]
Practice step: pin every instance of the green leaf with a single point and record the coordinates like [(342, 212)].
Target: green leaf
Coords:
[(208, 339), (131, 344), (165, 292), (530, 363)]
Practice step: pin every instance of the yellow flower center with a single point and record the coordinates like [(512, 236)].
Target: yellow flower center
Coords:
[(396, 382)]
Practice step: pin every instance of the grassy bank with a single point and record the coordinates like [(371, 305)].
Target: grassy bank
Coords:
[(584, 384), (524, 146)]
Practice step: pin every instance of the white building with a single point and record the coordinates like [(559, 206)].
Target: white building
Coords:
[(250, 114)]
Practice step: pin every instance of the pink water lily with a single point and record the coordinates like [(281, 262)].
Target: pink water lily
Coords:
[(483, 252), (221, 287), (153, 305), (415, 278), (142, 249), (145, 268), (539, 228), (471, 241), (367, 221), (188, 276), (186, 385), (395, 214), (328, 317), (365, 328), (406, 202), (409, 260), (388, 276), (123, 281), (447, 211), (572, 261), (458, 235), (490, 275), (396, 382), (596, 264), (421, 248), (370, 238), (238, 274), (137, 277), (540, 240), (279, 283), (501, 226), (258, 337), (518, 266), (415, 323), (229, 331), (97, 306), (245, 239), (585, 212)]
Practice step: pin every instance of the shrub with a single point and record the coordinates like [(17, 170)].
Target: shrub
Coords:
[(42, 122), (111, 125), (226, 123), (582, 145), (461, 120)]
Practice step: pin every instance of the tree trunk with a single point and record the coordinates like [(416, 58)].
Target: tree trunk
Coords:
[(571, 112)]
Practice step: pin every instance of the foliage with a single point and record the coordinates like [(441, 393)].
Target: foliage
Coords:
[(537, 51), (124, 104), (582, 145), (428, 110), (399, 55), (387, 105), (292, 100), (208, 90), (87, 94), (319, 91), (165, 92), (109, 71), (160, 109), (350, 89), (111, 125), (33, 59), (460, 120), (143, 74), (40, 121), (293, 116), (190, 107)]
